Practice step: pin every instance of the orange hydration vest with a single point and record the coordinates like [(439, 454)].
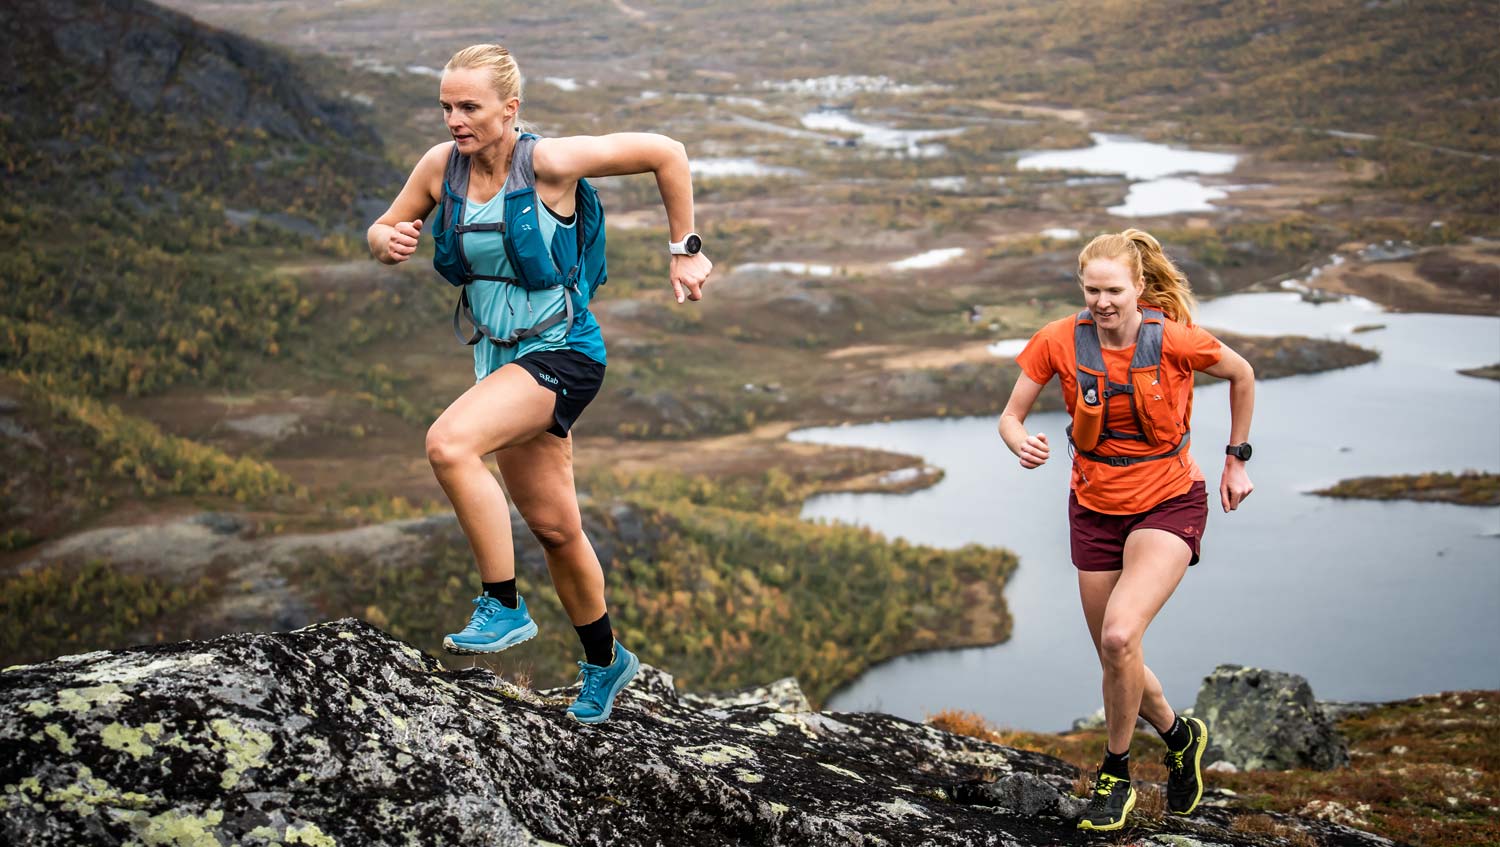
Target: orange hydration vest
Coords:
[(1152, 404)]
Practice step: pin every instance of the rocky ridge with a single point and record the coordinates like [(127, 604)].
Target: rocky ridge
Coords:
[(340, 734)]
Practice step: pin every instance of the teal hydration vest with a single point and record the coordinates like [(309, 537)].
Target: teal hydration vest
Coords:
[(538, 266)]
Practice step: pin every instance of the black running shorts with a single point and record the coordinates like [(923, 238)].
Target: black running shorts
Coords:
[(572, 376)]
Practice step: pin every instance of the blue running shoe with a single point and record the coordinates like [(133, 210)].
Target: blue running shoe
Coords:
[(601, 685), (492, 627)]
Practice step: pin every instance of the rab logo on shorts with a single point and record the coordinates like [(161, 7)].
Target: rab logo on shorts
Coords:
[(1188, 530), (549, 377)]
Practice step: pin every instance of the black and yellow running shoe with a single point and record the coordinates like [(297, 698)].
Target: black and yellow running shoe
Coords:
[(1185, 771), (1112, 800)]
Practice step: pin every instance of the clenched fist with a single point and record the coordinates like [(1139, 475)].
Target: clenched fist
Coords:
[(402, 242), (1034, 451)]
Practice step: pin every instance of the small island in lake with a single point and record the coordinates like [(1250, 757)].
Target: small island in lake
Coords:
[(1470, 488), (1486, 372)]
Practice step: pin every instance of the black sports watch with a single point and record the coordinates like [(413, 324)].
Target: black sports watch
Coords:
[(1239, 451), (690, 245)]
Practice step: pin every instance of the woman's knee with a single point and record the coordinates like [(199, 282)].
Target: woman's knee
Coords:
[(445, 449), (1118, 643), (554, 532)]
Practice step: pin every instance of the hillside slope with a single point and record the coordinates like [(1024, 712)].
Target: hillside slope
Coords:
[(143, 153)]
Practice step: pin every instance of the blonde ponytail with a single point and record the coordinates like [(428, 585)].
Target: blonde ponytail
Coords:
[(1166, 287)]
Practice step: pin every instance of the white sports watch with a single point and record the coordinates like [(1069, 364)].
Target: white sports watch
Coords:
[(690, 245)]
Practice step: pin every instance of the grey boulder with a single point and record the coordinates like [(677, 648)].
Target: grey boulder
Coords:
[(1267, 720)]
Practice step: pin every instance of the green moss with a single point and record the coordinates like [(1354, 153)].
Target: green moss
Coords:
[(88, 793), (244, 748), (64, 741), (84, 699), (717, 754), (182, 829), (127, 739), (37, 708), (309, 834)]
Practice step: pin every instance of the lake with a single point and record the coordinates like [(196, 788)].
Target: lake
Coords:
[(916, 143), (1368, 600), (1159, 185)]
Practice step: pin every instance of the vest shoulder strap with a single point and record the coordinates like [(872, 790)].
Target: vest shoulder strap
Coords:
[(1086, 351), (523, 176), (522, 173), (456, 175), (1148, 342)]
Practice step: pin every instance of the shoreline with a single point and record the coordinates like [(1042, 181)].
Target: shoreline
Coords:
[(1470, 488)]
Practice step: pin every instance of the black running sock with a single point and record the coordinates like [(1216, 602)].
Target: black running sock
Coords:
[(598, 642), (1179, 736), (504, 591), (1116, 764)]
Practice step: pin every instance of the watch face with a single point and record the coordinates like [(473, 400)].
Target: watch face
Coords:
[(692, 244)]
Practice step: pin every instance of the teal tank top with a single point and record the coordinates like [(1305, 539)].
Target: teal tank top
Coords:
[(504, 307)]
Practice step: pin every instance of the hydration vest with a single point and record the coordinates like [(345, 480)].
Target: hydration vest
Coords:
[(1152, 404), (537, 265)]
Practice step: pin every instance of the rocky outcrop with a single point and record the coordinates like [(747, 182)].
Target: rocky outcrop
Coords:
[(340, 734), (1266, 720)]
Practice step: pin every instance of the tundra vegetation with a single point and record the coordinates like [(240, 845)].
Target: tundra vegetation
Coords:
[(1422, 771)]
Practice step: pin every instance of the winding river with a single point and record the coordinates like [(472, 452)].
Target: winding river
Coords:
[(1368, 600)]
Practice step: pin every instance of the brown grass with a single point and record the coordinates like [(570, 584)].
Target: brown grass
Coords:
[(1150, 801), (972, 725), (1256, 824)]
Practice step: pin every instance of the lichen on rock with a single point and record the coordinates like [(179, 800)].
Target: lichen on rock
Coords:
[(259, 743)]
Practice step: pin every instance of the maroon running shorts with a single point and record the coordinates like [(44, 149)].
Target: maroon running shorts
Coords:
[(1098, 540)]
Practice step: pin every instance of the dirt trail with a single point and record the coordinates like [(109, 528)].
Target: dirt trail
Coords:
[(1072, 116), (1365, 136)]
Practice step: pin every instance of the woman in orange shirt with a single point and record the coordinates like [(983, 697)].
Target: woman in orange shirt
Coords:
[(1139, 501)]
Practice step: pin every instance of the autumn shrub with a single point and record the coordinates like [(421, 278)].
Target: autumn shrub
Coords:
[(56, 609)]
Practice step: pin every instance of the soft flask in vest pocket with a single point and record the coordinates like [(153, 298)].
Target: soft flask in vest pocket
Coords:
[(1088, 414), (529, 253)]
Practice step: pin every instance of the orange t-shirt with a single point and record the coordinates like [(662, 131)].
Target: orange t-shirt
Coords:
[(1139, 487)]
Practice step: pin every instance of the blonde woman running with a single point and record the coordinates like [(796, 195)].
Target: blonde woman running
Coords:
[(520, 232)]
